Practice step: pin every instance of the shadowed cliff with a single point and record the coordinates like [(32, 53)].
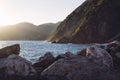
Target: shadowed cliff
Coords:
[(95, 21)]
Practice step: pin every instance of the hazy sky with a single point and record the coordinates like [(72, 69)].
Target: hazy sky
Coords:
[(36, 11)]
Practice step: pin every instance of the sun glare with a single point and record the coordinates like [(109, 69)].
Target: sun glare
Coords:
[(4, 17)]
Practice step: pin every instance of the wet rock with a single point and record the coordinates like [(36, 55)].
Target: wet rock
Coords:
[(15, 65), (76, 68), (97, 55), (44, 62), (14, 49)]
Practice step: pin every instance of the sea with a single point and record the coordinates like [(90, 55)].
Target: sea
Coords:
[(33, 50)]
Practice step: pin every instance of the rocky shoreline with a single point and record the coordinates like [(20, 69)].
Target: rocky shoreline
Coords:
[(97, 62)]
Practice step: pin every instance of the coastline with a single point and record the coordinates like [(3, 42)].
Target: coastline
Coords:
[(103, 58)]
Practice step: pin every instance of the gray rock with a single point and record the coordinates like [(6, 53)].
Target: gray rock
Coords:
[(113, 49), (14, 49), (15, 65), (76, 68), (97, 55), (44, 62), (113, 44), (66, 55)]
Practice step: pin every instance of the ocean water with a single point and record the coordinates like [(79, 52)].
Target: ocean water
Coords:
[(33, 50)]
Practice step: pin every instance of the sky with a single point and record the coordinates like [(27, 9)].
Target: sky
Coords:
[(36, 11)]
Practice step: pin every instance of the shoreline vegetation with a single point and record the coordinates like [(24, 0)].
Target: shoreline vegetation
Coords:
[(96, 62)]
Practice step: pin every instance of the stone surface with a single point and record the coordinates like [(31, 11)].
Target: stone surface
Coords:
[(97, 55), (66, 55), (14, 49), (113, 49), (15, 65), (76, 68), (97, 62), (44, 62)]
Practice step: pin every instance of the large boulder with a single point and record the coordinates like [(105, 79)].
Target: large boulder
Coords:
[(95, 21), (76, 68), (113, 49), (97, 55), (15, 65), (44, 62), (14, 49)]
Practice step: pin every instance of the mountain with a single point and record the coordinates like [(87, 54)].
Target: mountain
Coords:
[(95, 21), (27, 31), (47, 29)]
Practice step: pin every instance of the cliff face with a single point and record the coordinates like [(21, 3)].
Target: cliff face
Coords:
[(94, 21)]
